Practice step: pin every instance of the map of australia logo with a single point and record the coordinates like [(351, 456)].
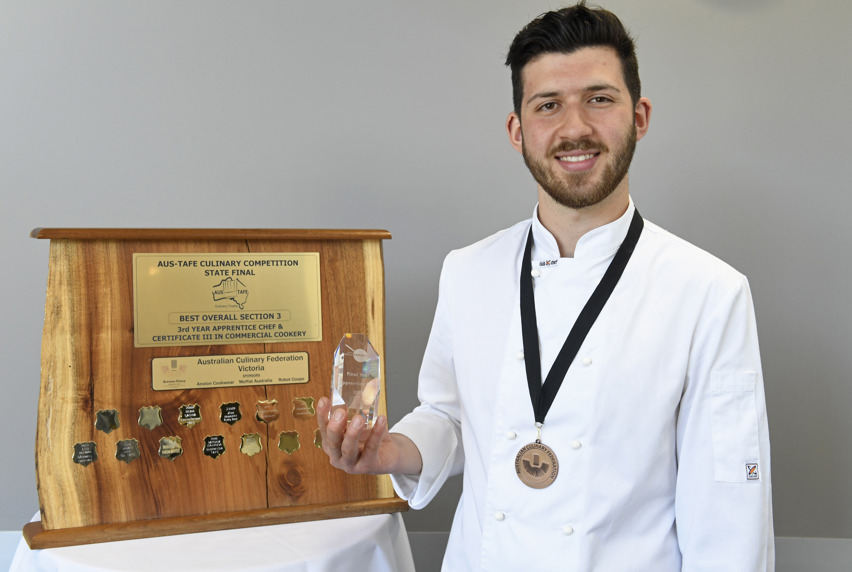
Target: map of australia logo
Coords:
[(230, 289)]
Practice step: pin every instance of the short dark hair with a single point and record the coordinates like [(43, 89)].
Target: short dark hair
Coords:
[(568, 30)]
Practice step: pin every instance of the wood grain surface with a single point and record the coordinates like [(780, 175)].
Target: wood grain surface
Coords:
[(89, 363)]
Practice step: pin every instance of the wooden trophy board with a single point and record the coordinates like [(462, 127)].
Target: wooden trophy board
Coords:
[(227, 468)]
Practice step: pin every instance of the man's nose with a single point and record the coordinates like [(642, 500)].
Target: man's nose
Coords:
[(575, 125)]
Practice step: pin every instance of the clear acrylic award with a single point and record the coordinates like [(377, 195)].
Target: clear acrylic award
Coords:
[(356, 378)]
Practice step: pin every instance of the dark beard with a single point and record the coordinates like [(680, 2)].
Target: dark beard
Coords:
[(575, 190)]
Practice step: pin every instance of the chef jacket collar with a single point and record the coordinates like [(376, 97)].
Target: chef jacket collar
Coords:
[(601, 241)]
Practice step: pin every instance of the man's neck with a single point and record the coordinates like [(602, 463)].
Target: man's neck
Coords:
[(567, 225)]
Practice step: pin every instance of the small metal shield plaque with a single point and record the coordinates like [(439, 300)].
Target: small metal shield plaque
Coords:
[(170, 448), (230, 413), (267, 411), (106, 420), (303, 408), (214, 445), (190, 415), (150, 417), (127, 450), (288, 441), (251, 444), (85, 453)]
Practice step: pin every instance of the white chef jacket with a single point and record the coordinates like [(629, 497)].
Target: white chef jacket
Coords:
[(659, 427)]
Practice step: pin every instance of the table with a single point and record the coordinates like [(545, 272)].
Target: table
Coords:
[(375, 543)]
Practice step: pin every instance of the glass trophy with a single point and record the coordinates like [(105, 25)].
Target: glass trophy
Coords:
[(356, 378)]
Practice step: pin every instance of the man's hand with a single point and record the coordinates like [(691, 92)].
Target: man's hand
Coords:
[(358, 449)]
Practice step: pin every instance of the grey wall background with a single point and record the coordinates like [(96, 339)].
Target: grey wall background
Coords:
[(389, 114)]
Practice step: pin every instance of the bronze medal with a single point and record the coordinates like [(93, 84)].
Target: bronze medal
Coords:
[(536, 465)]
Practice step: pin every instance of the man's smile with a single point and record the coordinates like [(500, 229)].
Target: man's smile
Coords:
[(577, 158), (578, 161)]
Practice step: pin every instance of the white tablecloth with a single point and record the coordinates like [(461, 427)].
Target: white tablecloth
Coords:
[(366, 543)]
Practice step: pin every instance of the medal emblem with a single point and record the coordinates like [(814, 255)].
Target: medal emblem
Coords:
[(536, 465)]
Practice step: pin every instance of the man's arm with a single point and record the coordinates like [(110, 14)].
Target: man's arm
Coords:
[(724, 496), (358, 449)]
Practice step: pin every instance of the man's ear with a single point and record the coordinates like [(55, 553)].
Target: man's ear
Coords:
[(513, 128), (642, 117)]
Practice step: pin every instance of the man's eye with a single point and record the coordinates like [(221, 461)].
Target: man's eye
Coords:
[(549, 106), (600, 99)]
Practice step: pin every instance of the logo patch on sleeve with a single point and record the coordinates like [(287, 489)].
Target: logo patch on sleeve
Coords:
[(752, 473)]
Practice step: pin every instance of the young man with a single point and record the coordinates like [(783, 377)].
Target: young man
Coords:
[(595, 378)]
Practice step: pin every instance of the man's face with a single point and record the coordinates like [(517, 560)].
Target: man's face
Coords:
[(578, 126)]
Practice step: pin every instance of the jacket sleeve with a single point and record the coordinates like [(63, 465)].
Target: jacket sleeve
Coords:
[(434, 426), (723, 500)]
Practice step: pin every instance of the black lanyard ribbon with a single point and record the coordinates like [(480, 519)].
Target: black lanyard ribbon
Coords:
[(542, 395)]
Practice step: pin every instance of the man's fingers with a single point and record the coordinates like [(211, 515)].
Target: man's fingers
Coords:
[(370, 453), (350, 446), (323, 405), (333, 436)]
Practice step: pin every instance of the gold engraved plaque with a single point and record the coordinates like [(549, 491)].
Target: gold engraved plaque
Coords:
[(250, 444), (235, 298), (170, 447), (267, 411), (150, 417), (189, 415), (288, 441), (238, 370), (303, 408)]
